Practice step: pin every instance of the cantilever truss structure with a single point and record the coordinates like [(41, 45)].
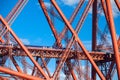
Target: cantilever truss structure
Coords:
[(102, 61)]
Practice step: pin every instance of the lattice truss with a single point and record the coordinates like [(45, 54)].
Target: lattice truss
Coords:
[(70, 56)]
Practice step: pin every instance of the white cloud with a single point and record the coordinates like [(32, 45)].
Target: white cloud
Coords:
[(62, 76), (70, 2), (108, 41), (47, 4), (25, 41)]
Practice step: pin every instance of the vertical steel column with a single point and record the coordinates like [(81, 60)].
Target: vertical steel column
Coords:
[(94, 25), (113, 35), (78, 40), (94, 33)]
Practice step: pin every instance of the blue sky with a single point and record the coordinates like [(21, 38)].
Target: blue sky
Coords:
[(30, 24), (32, 27)]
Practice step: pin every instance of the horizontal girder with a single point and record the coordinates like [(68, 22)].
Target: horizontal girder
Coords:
[(49, 52)]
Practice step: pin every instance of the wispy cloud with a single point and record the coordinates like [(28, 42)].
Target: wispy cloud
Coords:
[(47, 4), (25, 41), (70, 2)]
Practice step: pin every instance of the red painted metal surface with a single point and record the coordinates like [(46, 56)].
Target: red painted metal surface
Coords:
[(101, 60)]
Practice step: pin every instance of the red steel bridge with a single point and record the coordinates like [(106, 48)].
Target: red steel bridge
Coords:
[(73, 60)]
